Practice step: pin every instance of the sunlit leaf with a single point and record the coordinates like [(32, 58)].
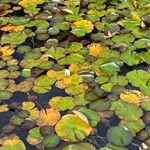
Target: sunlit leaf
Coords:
[(128, 112), (81, 146), (133, 96), (87, 25), (34, 136), (13, 38), (3, 108), (96, 49), (7, 50), (62, 103), (72, 128), (13, 142), (48, 117)]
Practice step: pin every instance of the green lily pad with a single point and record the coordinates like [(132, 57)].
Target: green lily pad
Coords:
[(13, 38), (12, 142), (15, 120), (34, 136), (51, 141), (139, 78), (79, 32), (3, 84), (72, 128), (117, 79), (100, 105), (142, 43), (74, 47), (112, 147), (146, 105), (119, 136), (81, 146), (134, 126), (4, 95), (92, 116), (126, 111), (56, 53), (130, 57), (109, 68)]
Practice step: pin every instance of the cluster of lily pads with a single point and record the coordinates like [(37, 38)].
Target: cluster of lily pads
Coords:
[(96, 51)]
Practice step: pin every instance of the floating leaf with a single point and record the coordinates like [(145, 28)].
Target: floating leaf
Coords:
[(100, 105), (128, 112), (48, 117), (81, 146), (25, 86), (72, 128), (10, 28), (133, 96), (51, 141), (139, 78), (4, 95), (13, 38), (109, 68), (96, 49), (26, 3), (133, 126), (16, 120), (34, 136), (62, 103), (92, 116), (119, 136), (43, 84), (142, 43), (3, 108), (7, 50), (28, 105), (87, 25), (12, 142)]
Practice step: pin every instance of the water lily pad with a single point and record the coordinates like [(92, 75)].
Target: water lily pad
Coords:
[(62, 103), (142, 43), (74, 47), (12, 142), (92, 116), (119, 136), (109, 68), (133, 126), (13, 38), (72, 128), (87, 25), (51, 141), (25, 86), (56, 53), (133, 96), (16, 120), (100, 105), (3, 108), (43, 84), (128, 112), (110, 146), (139, 78), (48, 117), (81, 146), (4, 95), (34, 136)]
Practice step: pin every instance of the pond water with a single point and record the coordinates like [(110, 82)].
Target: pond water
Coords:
[(74, 75)]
